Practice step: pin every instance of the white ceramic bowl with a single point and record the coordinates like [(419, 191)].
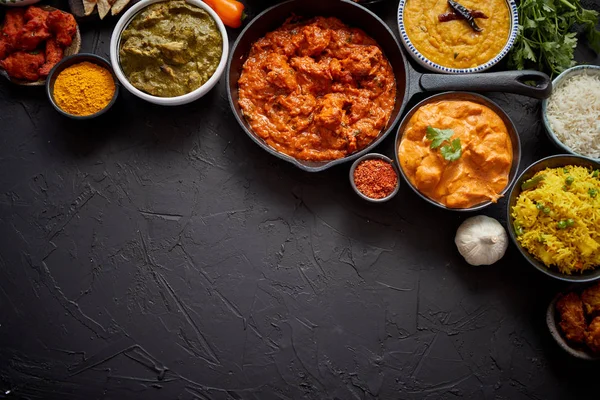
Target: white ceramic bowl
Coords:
[(556, 83), (430, 65), (115, 42)]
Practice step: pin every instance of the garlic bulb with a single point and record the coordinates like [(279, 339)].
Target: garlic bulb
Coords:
[(481, 240)]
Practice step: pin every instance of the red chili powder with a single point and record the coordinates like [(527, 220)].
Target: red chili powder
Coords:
[(375, 178)]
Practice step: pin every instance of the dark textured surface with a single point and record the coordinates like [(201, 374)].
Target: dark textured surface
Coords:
[(158, 253)]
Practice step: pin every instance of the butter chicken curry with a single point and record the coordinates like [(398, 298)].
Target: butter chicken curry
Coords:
[(317, 90), (478, 175)]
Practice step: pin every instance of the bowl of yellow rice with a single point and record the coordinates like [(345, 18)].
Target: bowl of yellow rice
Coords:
[(554, 217)]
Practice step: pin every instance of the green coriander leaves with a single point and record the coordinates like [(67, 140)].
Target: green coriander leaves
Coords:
[(451, 151), (544, 40)]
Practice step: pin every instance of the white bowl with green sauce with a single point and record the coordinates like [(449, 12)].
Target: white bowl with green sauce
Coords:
[(169, 52)]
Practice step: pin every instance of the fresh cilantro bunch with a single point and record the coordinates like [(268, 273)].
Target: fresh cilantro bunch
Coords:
[(451, 151), (544, 39)]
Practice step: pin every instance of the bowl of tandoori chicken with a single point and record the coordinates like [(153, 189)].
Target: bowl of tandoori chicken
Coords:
[(315, 82), (458, 151), (33, 40), (169, 52), (573, 319)]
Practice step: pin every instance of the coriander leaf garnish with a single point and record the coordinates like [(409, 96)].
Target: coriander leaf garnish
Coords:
[(438, 136), (453, 151)]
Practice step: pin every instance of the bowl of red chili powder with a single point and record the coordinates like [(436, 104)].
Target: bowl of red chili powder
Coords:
[(374, 177)]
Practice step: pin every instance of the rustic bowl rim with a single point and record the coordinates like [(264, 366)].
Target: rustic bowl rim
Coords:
[(554, 328)]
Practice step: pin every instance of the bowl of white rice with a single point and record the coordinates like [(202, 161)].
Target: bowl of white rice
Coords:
[(572, 112)]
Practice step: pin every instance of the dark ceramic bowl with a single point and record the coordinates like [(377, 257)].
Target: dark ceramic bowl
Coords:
[(76, 59), (371, 156), (553, 320), (558, 161), (476, 98)]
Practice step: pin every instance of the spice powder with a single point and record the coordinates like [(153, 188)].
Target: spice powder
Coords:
[(84, 89), (375, 178)]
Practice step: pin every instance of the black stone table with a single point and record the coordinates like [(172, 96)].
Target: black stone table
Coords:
[(158, 253)]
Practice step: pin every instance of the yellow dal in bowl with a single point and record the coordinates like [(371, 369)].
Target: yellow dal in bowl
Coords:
[(454, 44)]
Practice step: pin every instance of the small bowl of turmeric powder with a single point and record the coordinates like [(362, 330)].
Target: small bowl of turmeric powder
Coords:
[(82, 86)]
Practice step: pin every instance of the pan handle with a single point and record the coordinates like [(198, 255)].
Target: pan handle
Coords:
[(506, 81)]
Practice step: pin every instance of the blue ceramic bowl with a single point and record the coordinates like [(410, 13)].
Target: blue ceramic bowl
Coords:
[(432, 66), (556, 83)]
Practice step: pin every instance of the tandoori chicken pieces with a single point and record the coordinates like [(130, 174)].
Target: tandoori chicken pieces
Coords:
[(575, 313), (33, 40), (572, 321)]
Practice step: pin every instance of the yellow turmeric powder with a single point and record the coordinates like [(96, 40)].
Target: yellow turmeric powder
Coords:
[(83, 89)]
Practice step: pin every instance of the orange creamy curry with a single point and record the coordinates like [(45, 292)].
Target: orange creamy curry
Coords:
[(481, 172), (317, 90)]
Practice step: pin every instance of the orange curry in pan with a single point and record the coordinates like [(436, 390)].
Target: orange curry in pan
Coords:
[(481, 172), (317, 90)]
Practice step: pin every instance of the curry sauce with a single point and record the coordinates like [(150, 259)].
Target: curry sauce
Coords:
[(481, 172), (317, 90), (170, 49), (454, 44)]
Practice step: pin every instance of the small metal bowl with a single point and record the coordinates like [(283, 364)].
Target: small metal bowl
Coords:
[(371, 156), (76, 59), (552, 320), (548, 162), (556, 83), (476, 98)]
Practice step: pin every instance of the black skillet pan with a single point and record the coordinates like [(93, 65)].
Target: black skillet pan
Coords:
[(475, 98), (408, 81)]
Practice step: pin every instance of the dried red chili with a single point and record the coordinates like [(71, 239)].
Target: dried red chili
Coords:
[(452, 16), (375, 178)]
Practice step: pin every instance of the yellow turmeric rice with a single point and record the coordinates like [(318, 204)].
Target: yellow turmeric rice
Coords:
[(557, 218)]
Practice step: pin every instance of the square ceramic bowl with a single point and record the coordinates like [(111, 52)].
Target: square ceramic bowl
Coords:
[(432, 66), (115, 44), (593, 70)]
